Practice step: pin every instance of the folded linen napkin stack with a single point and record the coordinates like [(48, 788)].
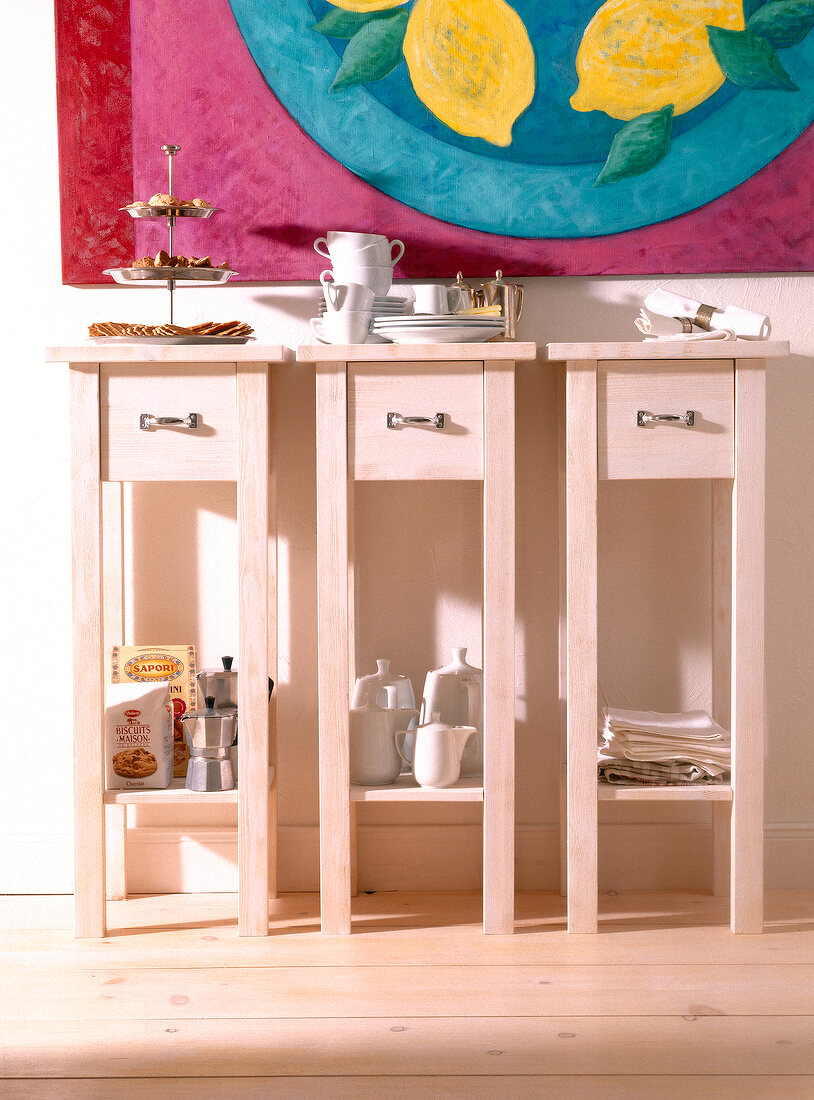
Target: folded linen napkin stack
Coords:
[(643, 747)]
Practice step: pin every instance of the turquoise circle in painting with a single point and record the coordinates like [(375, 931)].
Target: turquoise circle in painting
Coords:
[(543, 184)]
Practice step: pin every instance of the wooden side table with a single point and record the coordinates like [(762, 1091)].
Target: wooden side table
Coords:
[(668, 410), (472, 385), (111, 388)]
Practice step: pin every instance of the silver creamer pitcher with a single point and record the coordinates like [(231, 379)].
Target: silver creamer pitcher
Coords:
[(509, 296)]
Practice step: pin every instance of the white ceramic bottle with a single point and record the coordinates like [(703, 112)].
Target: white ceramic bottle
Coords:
[(455, 692)]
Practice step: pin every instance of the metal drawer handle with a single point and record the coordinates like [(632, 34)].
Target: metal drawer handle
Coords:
[(643, 418), (396, 420), (146, 421)]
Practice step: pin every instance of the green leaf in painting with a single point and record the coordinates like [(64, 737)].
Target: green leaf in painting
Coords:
[(750, 7), (748, 60), (638, 146), (783, 23), (344, 24), (373, 52)]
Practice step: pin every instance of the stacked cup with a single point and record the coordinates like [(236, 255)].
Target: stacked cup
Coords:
[(347, 312), (367, 259)]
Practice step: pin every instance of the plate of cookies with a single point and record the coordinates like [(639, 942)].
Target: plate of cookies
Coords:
[(165, 206), (163, 266), (208, 332)]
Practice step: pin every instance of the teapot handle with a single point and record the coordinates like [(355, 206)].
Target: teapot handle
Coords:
[(400, 745)]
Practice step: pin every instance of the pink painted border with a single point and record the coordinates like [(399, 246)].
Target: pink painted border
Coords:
[(278, 189), (94, 119)]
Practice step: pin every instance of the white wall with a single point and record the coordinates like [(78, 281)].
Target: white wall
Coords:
[(188, 539)]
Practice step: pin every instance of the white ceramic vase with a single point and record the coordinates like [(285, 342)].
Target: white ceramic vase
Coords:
[(455, 692)]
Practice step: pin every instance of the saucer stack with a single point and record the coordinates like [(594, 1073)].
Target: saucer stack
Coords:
[(384, 306)]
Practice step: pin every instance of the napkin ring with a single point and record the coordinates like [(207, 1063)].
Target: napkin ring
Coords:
[(703, 317)]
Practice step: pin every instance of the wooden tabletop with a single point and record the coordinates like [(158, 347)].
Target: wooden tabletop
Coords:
[(670, 349), (409, 353), (169, 353)]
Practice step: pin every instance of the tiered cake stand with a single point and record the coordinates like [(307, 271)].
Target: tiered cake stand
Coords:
[(171, 276)]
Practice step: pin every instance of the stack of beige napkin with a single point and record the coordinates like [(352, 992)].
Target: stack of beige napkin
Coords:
[(646, 747)]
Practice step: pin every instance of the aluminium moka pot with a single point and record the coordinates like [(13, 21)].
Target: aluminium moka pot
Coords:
[(209, 732)]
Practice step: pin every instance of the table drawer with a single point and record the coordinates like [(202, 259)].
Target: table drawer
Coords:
[(415, 450), (168, 453), (666, 448)]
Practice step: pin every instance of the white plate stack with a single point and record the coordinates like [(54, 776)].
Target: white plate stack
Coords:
[(437, 329)]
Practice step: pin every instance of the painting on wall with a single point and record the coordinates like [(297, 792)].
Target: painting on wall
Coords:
[(560, 138)]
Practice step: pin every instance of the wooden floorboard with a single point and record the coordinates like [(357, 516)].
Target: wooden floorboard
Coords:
[(401, 1045), (663, 1002), (531, 1087), (369, 991)]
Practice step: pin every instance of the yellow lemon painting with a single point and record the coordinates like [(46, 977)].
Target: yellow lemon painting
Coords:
[(640, 55), (471, 64), (492, 71), (542, 118)]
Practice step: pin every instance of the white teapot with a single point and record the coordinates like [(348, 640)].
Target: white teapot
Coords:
[(438, 751), (373, 755)]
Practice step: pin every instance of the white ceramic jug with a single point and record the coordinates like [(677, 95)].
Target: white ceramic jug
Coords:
[(438, 749), (373, 755), (374, 688), (456, 693)]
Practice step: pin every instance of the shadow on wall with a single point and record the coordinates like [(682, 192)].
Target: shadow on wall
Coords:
[(183, 556)]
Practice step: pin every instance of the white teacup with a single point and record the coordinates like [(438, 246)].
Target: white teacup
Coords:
[(343, 326), (434, 299), (353, 240), (349, 296), (377, 251), (378, 278), (339, 243)]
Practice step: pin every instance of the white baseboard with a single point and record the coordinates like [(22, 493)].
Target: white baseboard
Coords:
[(195, 859), (789, 856)]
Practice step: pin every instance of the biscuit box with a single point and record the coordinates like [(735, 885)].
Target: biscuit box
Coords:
[(175, 665), (138, 736)]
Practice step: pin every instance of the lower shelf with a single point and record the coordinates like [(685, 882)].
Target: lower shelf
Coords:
[(405, 789), (175, 793), (710, 792)]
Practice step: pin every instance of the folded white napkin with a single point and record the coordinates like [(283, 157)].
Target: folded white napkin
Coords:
[(664, 740), (744, 323), (665, 329), (696, 724)]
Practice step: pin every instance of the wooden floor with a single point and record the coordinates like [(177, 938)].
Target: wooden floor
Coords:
[(664, 1002)]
